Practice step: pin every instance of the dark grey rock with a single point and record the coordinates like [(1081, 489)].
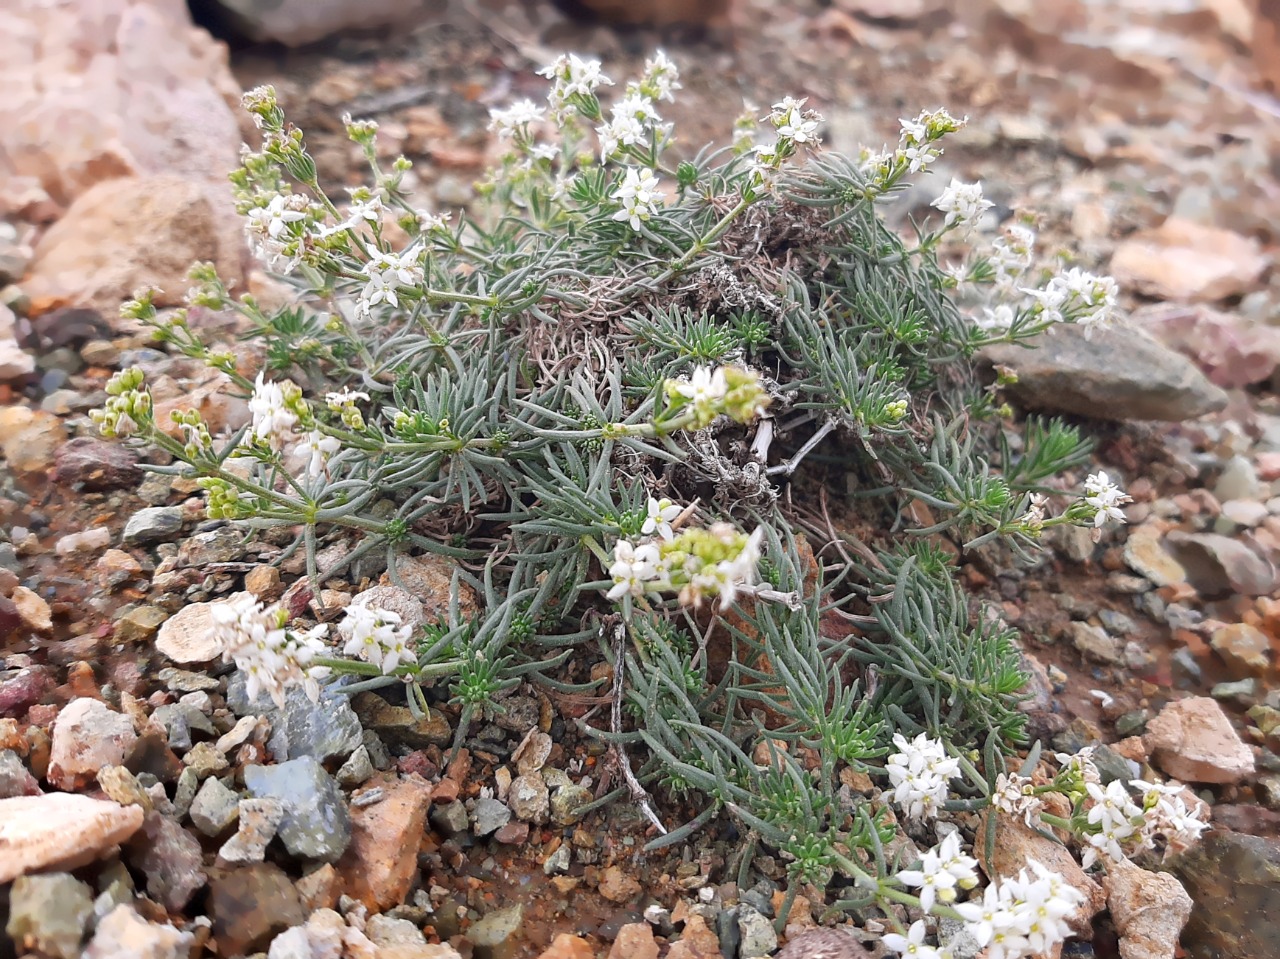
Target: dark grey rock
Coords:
[(489, 816), (215, 808), (494, 936), (170, 858), (451, 818), (357, 769), (153, 524), (316, 823), (326, 729), (1234, 883), (1119, 374)]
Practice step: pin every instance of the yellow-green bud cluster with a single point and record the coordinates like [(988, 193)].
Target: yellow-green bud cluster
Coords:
[(128, 405)]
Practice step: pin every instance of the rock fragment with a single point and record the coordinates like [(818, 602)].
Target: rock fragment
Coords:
[(1192, 740)]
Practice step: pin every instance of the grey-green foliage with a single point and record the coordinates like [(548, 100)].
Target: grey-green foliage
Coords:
[(513, 395)]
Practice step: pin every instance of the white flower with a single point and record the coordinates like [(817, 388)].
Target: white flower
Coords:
[(387, 272), (428, 221), (919, 157), (660, 514), (912, 944), (272, 219), (544, 151), (632, 568), (345, 397), (963, 204), (272, 419), (704, 386), (317, 447), (631, 120), (998, 320), (376, 636), (514, 119), (271, 657), (1105, 497), (638, 195), (661, 77), (1014, 793), (1022, 916), (571, 76), (370, 210), (1078, 297), (919, 774), (799, 127), (1012, 254)]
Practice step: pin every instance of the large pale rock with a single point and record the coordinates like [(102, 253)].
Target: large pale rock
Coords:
[(123, 934), (60, 830), (1231, 349), (1016, 845), (1149, 909), (381, 860), (1193, 740), (99, 89), (87, 736), (127, 233), (1117, 374), (1184, 260), (298, 22), (189, 635)]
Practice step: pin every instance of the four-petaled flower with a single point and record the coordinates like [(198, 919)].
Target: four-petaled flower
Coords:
[(275, 217), (638, 195)]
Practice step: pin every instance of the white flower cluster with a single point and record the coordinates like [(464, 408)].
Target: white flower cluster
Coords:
[(1015, 795), (919, 773), (572, 78), (275, 409), (273, 417), (1121, 822), (514, 121), (387, 273), (1024, 915), (1105, 497), (1076, 296), (630, 120), (639, 195), (916, 143), (940, 871), (268, 230), (272, 657), (963, 204), (1012, 254), (716, 561), (376, 636), (707, 393)]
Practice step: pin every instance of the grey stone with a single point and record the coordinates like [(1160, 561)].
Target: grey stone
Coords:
[(528, 799), (1242, 692), (494, 936), (184, 793), (1094, 643), (49, 914), (1117, 374), (390, 931), (567, 803), (185, 681), (215, 808), (326, 729), (170, 858), (259, 820), (559, 861), (451, 818), (15, 779), (357, 769), (1239, 480), (489, 816), (1234, 883), (756, 931), (1219, 565), (179, 719), (153, 524), (316, 823), (226, 544)]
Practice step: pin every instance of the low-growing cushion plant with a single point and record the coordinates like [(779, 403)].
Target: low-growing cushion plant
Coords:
[(710, 422)]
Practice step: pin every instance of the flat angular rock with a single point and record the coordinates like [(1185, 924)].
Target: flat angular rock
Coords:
[(1149, 909), (188, 636), (316, 823), (1193, 740), (1118, 374), (60, 830), (87, 736), (1183, 260), (382, 859), (1219, 565), (170, 858)]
